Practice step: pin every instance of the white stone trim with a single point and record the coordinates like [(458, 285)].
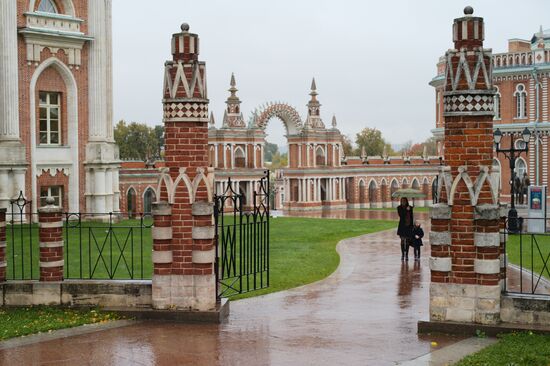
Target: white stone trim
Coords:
[(161, 209), (50, 225), (2, 224), (487, 239), (60, 263), (203, 232), (502, 259), (3, 244), (161, 233), (164, 256), (440, 264), (487, 266), (440, 238), (51, 244), (3, 264), (204, 256), (203, 208)]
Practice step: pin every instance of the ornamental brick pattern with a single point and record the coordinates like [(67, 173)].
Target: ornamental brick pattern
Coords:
[(183, 235), (50, 235), (465, 262)]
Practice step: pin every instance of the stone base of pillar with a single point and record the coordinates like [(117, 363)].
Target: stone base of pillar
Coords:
[(465, 303), (184, 292), (102, 182), (12, 171)]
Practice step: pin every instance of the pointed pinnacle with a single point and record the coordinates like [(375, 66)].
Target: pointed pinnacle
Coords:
[(232, 83), (334, 120), (313, 86)]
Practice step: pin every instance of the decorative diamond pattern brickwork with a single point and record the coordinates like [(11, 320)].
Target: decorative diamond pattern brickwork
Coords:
[(468, 103)]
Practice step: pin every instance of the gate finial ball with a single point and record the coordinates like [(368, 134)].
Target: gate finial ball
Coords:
[(184, 27), (468, 10)]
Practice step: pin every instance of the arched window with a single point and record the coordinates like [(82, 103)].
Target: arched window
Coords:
[(131, 204), (405, 183), (521, 168), (394, 186), (240, 159), (415, 184), (521, 101), (47, 6), (148, 198), (497, 103), (520, 144), (320, 156), (362, 189), (372, 191), (496, 165)]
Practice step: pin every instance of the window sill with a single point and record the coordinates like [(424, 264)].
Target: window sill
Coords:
[(52, 147)]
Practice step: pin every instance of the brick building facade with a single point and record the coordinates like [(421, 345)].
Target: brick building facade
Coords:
[(521, 78), (56, 131)]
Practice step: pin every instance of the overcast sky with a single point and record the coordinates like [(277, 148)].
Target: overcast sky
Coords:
[(372, 60)]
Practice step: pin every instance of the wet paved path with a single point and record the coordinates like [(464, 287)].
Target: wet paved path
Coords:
[(363, 314)]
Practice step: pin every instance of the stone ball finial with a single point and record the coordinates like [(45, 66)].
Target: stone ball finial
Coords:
[(184, 27), (50, 201), (468, 10)]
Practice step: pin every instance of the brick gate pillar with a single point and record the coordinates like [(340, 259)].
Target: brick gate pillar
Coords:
[(187, 183), (50, 236), (465, 264), (3, 259)]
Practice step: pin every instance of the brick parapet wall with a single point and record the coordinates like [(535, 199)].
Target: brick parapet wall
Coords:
[(50, 234)]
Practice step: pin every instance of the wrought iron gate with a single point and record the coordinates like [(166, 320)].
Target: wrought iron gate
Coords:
[(242, 238)]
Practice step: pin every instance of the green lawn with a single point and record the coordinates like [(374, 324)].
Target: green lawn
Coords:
[(16, 322), (516, 349), (92, 250), (303, 249), (532, 254)]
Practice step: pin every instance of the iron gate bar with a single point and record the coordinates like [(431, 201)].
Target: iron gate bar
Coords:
[(242, 240)]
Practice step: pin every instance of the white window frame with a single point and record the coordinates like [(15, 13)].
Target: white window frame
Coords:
[(519, 173), (48, 106), (521, 101), (50, 2), (58, 197), (497, 100)]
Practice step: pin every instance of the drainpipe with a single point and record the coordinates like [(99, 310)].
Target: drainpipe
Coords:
[(537, 118)]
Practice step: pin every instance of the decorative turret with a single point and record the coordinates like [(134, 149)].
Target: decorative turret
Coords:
[(212, 121), (233, 118), (334, 124), (313, 110)]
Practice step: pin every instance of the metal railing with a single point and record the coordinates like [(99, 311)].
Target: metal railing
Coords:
[(96, 246), (528, 258)]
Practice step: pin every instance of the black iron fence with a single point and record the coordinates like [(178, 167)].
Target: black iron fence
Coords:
[(528, 257), (96, 245), (242, 240)]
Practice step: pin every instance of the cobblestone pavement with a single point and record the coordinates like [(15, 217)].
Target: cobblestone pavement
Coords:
[(363, 314)]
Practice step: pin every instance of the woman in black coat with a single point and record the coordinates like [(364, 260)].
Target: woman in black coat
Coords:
[(406, 223)]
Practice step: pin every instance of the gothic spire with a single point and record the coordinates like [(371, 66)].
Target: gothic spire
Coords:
[(212, 122), (233, 116), (334, 121), (313, 109)]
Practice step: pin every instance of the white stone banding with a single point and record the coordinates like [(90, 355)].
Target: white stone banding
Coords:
[(487, 266), (161, 257), (204, 256), (51, 244), (440, 264), (203, 232), (161, 233), (486, 212), (440, 211), (440, 238), (3, 244), (2, 224), (50, 225), (161, 209), (487, 240), (55, 264), (202, 208), (3, 264)]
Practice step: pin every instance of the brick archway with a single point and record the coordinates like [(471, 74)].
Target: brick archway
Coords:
[(286, 113)]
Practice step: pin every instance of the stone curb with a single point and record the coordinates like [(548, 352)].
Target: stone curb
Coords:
[(64, 333)]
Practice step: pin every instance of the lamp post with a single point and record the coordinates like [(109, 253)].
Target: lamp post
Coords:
[(512, 154)]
